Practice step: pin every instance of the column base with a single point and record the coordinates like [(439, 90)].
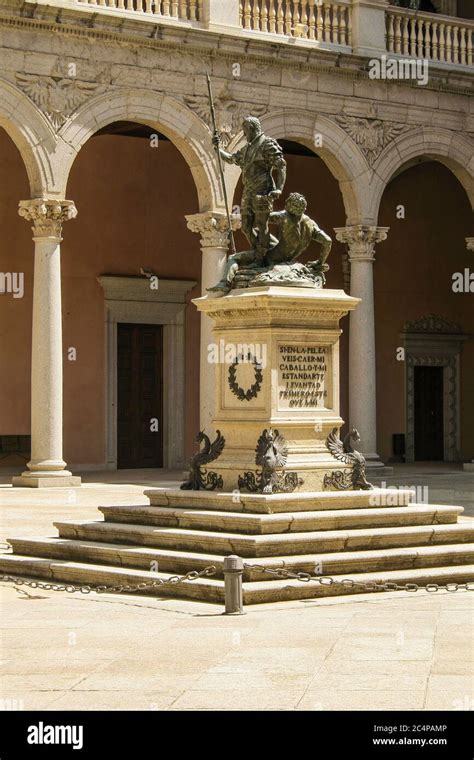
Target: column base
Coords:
[(469, 466), (63, 479), (375, 467)]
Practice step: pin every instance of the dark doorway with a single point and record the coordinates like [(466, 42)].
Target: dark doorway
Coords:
[(429, 427), (140, 396)]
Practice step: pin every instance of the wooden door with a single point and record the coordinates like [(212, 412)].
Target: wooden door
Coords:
[(139, 396), (429, 423)]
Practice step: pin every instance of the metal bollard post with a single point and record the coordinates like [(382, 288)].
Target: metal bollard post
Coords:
[(233, 572)]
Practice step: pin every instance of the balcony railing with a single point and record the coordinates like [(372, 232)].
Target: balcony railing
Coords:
[(427, 35), (181, 10), (323, 22), (366, 29)]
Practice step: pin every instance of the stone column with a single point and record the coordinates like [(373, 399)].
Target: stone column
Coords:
[(213, 228), (47, 467), (361, 241)]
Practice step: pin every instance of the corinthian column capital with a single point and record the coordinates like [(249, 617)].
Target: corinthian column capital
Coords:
[(213, 227), (470, 243), (47, 215), (361, 240)]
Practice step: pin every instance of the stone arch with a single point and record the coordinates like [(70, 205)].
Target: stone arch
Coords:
[(429, 143), (32, 134), (185, 130), (338, 151)]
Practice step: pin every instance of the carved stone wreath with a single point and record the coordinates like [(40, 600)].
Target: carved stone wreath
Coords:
[(253, 391)]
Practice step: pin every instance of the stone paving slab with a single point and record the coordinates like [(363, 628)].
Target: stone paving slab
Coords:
[(124, 653)]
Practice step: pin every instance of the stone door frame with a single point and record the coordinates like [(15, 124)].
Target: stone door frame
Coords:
[(132, 300), (435, 342)]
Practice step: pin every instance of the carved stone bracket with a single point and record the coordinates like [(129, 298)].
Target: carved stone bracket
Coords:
[(47, 215)]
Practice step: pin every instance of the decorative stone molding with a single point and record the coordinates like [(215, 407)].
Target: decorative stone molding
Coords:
[(451, 403), (55, 96), (213, 227), (434, 341), (278, 316), (470, 243), (47, 215), (361, 240), (371, 135), (432, 324)]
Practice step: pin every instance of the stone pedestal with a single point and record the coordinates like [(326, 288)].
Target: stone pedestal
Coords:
[(276, 365)]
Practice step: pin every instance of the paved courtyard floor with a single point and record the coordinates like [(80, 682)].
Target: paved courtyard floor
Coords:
[(69, 651)]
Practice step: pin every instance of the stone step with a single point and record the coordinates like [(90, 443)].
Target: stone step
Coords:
[(287, 590), (266, 545), (172, 561), (212, 590), (284, 522), (203, 589), (283, 502)]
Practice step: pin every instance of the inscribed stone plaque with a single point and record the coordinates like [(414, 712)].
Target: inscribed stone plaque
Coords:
[(303, 376)]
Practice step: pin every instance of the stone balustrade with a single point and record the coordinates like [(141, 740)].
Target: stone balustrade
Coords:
[(427, 35), (181, 10), (364, 28), (322, 21)]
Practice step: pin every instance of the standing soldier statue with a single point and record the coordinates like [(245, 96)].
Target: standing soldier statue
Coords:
[(270, 259), (263, 178)]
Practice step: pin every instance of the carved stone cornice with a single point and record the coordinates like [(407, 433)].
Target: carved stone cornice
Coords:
[(213, 228), (361, 240), (432, 323), (47, 215), (470, 243)]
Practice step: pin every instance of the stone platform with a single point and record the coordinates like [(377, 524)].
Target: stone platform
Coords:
[(377, 535)]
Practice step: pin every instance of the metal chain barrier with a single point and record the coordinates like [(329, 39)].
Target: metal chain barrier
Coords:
[(327, 580), (118, 589)]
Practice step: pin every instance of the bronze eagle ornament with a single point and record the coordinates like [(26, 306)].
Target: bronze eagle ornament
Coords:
[(344, 451), (271, 455), (200, 478)]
